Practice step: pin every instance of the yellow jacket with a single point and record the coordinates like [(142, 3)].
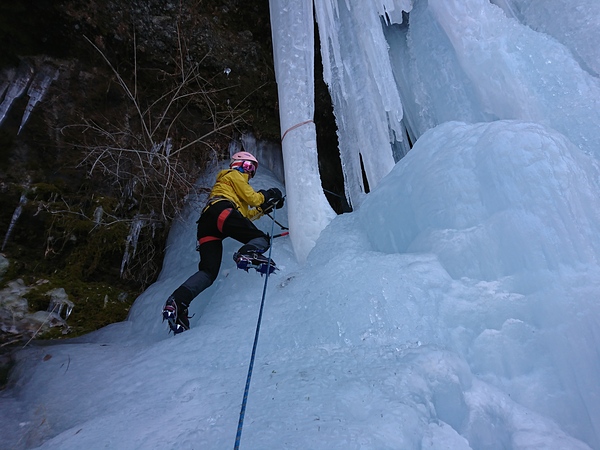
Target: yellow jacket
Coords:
[(233, 185)]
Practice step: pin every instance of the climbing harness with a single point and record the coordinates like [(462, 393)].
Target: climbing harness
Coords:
[(238, 435)]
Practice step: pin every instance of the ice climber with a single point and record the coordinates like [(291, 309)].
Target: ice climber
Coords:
[(232, 204)]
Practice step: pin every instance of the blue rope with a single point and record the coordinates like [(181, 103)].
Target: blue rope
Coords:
[(238, 435)]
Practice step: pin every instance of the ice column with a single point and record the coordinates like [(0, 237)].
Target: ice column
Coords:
[(293, 48)]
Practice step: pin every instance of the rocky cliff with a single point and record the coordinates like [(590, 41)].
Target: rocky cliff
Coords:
[(108, 112)]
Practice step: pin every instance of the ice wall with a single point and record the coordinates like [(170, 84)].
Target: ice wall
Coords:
[(577, 26), (393, 76), (469, 61), (489, 212), (433, 85)]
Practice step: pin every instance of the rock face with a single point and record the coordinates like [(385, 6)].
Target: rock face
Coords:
[(56, 77), (226, 43), (81, 81), (140, 75)]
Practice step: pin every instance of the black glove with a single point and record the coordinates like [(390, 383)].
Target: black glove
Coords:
[(273, 199), (277, 199)]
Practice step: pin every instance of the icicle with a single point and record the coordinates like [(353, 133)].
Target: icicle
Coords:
[(132, 240), (153, 151), (153, 223), (98, 213), (129, 193), (59, 300), (391, 10), (36, 92), (168, 146), (15, 217), (8, 75), (15, 89)]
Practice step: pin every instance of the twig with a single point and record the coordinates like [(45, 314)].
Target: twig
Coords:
[(41, 326)]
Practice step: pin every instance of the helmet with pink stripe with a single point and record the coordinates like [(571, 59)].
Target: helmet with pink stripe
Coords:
[(245, 162)]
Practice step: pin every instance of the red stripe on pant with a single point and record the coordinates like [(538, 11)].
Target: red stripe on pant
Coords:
[(206, 239), (221, 219)]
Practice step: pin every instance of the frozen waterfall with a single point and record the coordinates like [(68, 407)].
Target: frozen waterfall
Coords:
[(396, 69), (456, 307)]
